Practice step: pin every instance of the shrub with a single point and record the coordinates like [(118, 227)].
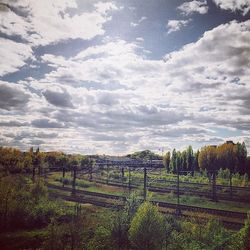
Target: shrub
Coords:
[(147, 229)]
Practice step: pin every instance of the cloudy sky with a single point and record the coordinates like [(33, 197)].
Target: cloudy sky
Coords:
[(112, 77)]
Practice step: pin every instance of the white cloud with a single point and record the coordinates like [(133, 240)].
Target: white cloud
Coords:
[(13, 55), (234, 5), (223, 51), (49, 22), (134, 24), (13, 24), (175, 25), (45, 22), (103, 8), (195, 6), (113, 93), (139, 39)]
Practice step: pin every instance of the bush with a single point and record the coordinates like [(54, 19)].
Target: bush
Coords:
[(24, 204), (147, 230), (101, 240)]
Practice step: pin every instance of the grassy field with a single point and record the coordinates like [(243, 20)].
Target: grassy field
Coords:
[(166, 197)]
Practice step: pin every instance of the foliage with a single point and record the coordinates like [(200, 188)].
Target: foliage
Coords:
[(241, 239), (197, 234), (101, 240), (145, 155), (166, 161), (24, 204), (147, 229)]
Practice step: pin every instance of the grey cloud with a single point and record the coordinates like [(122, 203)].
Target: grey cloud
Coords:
[(46, 123), (46, 135), (179, 132), (232, 5), (25, 134), (59, 99), (122, 118), (244, 97), (35, 142), (105, 137), (12, 98), (107, 99), (13, 124), (115, 138)]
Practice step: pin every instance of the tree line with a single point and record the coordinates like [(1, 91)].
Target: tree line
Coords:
[(228, 155), (210, 158), (36, 162)]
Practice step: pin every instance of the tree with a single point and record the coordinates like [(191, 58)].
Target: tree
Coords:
[(195, 166), (123, 220), (166, 161), (190, 158), (145, 155), (173, 161), (184, 160), (241, 155), (63, 162), (11, 160), (248, 166), (241, 239), (227, 158), (101, 240), (208, 160), (147, 230), (179, 161)]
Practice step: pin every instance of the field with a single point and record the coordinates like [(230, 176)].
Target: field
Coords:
[(98, 207), (195, 196)]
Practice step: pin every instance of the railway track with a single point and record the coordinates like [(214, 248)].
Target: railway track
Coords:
[(182, 191), (119, 205), (194, 184), (226, 213), (218, 186)]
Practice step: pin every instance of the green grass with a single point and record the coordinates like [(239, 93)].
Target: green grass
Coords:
[(170, 197), (31, 239), (202, 202)]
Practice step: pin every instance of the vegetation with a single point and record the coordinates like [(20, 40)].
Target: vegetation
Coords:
[(31, 217), (147, 230), (145, 155)]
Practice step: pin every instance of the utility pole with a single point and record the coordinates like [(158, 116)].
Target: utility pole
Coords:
[(63, 175), (107, 166), (178, 210), (122, 175), (74, 181), (214, 187), (90, 167), (145, 184), (129, 179)]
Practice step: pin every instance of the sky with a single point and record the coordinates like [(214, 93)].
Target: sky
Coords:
[(114, 77)]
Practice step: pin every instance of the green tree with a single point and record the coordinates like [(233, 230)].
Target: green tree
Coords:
[(241, 239), (179, 161), (184, 159), (166, 161), (101, 240), (173, 161), (241, 155), (190, 158), (227, 158), (208, 161), (147, 230), (208, 158)]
